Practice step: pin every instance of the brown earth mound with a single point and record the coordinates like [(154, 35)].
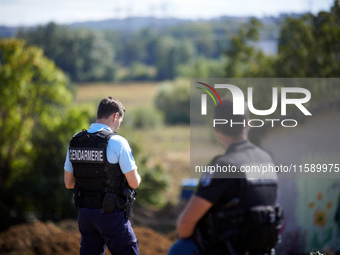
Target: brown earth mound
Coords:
[(39, 238)]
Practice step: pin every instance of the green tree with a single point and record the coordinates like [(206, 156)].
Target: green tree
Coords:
[(309, 46), (173, 99), (243, 59), (201, 33), (170, 54), (202, 67), (29, 82), (35, 116), (139, 71), (295, 44), (133, 50), (84, 55), (149, 38)]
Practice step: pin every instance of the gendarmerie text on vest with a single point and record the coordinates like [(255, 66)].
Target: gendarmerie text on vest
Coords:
[(86, 155)]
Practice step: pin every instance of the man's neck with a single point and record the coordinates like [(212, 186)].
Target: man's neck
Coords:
[(226, 141), (103, 121)]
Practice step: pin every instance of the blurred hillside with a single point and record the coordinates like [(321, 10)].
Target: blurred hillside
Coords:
[(156, 49), (132, 24), (142, 48)]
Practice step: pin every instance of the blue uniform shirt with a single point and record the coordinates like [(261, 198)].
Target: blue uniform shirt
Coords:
[(118, 151)]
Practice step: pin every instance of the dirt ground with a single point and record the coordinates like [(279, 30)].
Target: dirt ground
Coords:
[(39, 238)]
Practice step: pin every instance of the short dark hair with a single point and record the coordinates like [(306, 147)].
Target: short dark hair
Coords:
[(109, 106), (225, 111)]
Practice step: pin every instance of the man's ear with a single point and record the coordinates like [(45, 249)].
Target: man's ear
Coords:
[(115, 116)]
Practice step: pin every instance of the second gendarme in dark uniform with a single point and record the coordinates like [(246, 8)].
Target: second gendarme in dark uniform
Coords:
[(232, 213), (101, 169), (244, 216)]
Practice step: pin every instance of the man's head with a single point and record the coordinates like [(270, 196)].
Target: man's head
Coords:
[(108, 106), (225, 112), (110, 112)]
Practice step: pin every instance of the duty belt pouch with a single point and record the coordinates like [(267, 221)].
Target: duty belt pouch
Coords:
[(265, 225), (109, 202), (77, 198)]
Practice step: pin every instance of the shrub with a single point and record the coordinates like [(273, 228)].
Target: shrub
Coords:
[(144, 117), (173, 99), (154, 184), (154, 179)]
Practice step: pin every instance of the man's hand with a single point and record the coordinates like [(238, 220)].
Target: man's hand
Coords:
[(194, 211)]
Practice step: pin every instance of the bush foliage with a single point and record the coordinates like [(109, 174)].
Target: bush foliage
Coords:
[(173, 99)]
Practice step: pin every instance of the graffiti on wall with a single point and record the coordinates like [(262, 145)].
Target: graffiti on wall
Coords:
[(318, 213)]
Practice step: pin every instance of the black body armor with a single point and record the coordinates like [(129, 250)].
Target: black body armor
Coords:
[(250, 221), (99, 184)]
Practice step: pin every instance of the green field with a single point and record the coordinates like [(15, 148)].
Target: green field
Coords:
[(168, 146)]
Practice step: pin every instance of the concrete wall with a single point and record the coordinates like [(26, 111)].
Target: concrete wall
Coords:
[(310, 201)]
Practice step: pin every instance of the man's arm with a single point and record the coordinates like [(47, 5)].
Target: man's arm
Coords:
[(133, 178), (69, 179), (194, 211)]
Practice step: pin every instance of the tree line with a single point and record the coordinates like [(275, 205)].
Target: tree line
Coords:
[(147, 54), (307, 47)]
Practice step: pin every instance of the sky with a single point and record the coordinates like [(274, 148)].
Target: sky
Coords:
[(39, 12)]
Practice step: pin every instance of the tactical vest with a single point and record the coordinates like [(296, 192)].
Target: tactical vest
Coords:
[(251, 221), (96, 178)]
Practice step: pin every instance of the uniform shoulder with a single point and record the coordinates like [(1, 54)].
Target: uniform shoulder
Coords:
[(264, 153), (118, 139), (80, 133), (217, 159)]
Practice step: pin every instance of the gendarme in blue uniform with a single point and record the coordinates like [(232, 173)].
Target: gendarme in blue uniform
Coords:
[(98, 227)]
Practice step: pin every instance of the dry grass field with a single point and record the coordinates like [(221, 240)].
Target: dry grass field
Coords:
[(131, 94)]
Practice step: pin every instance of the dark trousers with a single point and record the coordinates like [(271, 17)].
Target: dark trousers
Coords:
[(100, 230)]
